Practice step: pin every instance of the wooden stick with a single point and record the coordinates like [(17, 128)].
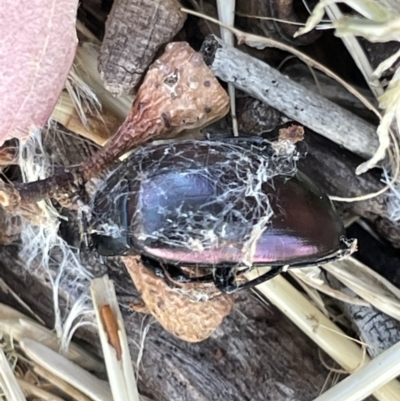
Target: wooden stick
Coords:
[(265, 83)]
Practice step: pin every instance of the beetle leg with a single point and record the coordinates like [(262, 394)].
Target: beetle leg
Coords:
[(230, 286), (172, 273), (175, 273), (223, 278), (154, 266)]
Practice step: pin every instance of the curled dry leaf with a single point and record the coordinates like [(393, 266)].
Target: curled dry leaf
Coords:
[(181, 315), (37, 48)]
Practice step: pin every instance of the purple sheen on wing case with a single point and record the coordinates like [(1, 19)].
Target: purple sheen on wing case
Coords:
[(304, 225), (211, 203)]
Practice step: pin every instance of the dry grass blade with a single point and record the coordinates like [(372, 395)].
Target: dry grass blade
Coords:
[(367, 379), (321, 330), (8, 381), (26, 328), (310, 277), (87, 108), (37, 392), (6, 312), (358, 54), (98, 128), (226, 14), (60, 384), (381, 23), (313, 294), (87, 34), (79, 378), (114, 341), (368, 284)]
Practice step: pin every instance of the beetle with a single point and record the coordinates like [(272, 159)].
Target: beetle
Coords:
[(209, 211)]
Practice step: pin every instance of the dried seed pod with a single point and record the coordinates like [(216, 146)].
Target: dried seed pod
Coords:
[(177, 312), (135, 30), (179, 92)]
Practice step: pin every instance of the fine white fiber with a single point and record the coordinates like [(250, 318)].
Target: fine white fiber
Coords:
[(393, 197), (45, 253)]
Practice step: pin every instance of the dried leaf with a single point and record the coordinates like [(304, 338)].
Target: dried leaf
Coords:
[(37, 48), (176, 308)]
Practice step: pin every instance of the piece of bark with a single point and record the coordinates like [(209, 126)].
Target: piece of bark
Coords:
[(135, 30), (257, 353), (267, 84)]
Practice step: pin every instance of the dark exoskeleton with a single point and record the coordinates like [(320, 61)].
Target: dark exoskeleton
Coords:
[(216, 209)]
